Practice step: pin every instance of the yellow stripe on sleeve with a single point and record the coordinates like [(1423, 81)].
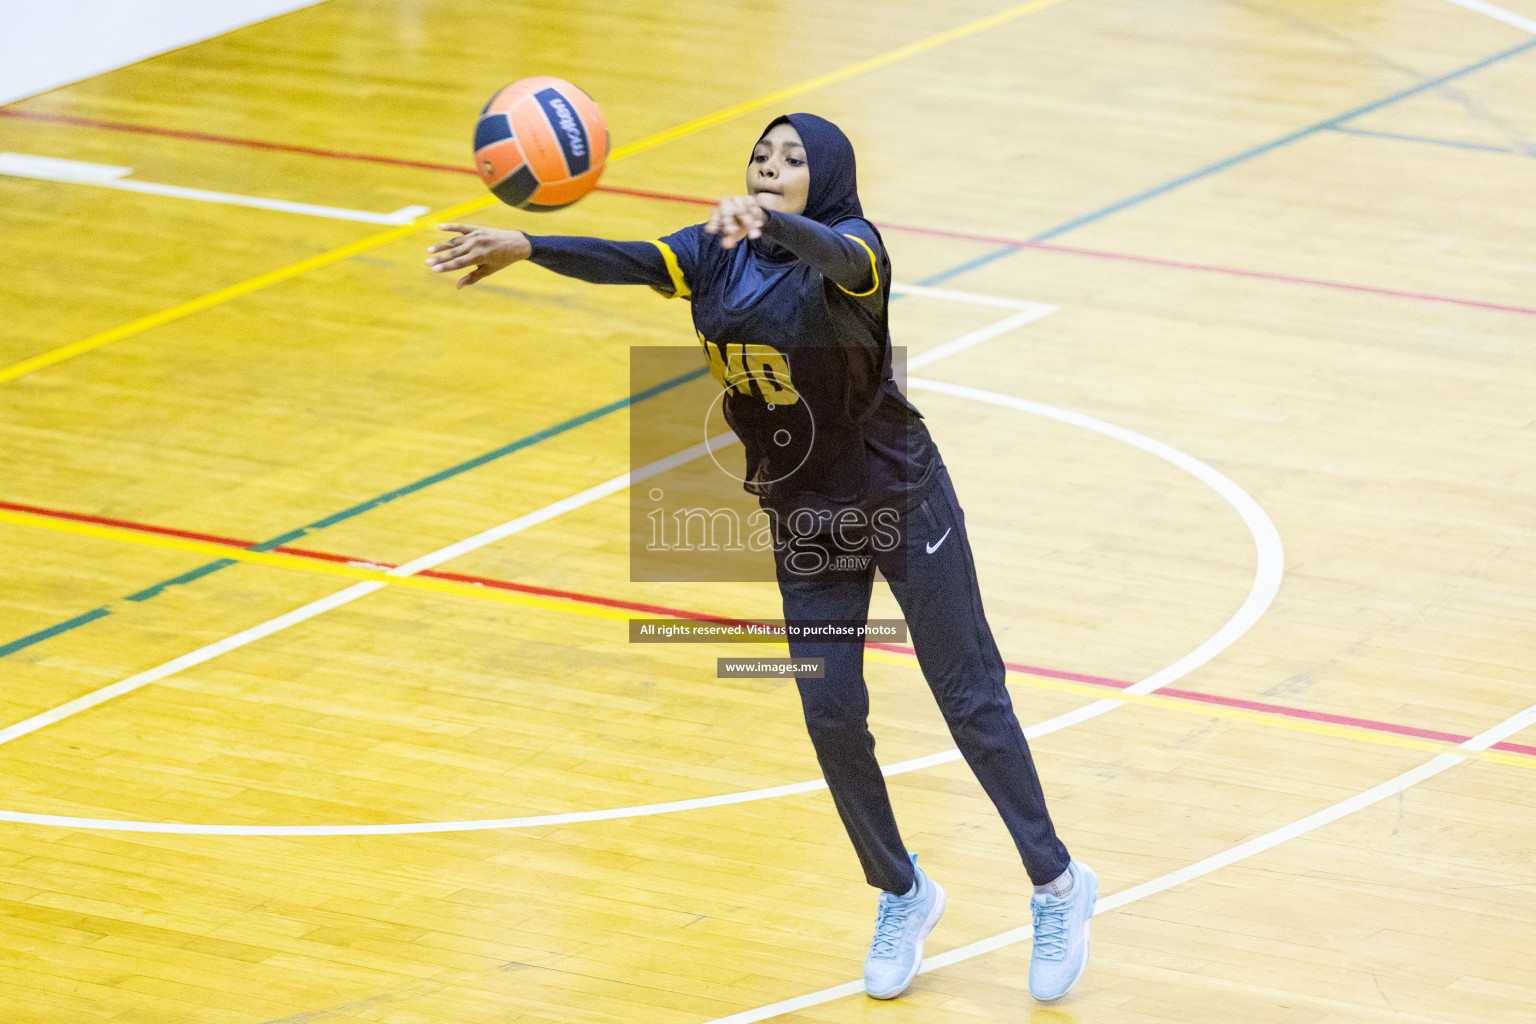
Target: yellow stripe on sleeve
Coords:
[(679, 286), (874, 269)]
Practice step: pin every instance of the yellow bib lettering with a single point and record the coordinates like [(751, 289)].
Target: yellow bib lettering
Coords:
[(742, 366)]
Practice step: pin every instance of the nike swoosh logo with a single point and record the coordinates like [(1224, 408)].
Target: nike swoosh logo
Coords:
[(936, 544)]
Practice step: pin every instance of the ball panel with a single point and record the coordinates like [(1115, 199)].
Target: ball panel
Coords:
[(496, 162), (517, 189), (540, 147), (492, 128), (563, 193)]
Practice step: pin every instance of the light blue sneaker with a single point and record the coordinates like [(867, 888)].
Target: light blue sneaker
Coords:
[(1061, 935), (901, 925)]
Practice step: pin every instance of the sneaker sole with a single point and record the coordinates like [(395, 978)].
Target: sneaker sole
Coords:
[(917, 964), (1087, 934)]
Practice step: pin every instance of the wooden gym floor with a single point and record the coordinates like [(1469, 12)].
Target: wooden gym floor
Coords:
[(1279, 476)]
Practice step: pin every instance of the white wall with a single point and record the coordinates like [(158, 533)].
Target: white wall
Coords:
[(48, 43)]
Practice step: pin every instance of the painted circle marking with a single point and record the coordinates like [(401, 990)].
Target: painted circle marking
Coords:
[(1266, 582)]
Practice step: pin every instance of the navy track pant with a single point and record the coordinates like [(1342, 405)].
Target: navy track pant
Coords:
[(941, 602)]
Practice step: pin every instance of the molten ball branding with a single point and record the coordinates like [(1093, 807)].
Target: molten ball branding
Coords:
[(568, 127)]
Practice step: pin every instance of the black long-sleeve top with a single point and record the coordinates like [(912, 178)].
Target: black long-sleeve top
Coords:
[(814, 297), (846, 260)]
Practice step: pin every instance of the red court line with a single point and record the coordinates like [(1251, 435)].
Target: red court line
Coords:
[(680, 613), (1317, 716), (1257, 275), (235, 542), (228, 140), (1034, 670), (284, 147), (1250, 705), (1100, 254)]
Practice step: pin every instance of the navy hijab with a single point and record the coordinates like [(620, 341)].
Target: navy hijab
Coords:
[(834, 191)]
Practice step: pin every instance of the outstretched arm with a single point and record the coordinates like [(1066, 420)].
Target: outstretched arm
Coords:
[(590, 259), (846, 261)]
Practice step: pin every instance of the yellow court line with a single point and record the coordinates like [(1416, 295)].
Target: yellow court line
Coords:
[(357, 572), (311, 565), (233, 291), (852, 70), (698, 124)]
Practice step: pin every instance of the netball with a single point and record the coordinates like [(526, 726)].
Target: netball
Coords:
[(540, 144)]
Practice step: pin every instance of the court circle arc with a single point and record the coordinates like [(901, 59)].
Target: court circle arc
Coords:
[(1266, 582)]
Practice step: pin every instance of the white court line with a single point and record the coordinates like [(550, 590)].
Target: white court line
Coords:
[(1266, 538), (1241, 851), (356, 591), (76, 172), (1270, 559), (919, 291), (188, 660), (1519, 21), (86, 172), (1028, 313), (978, 336)]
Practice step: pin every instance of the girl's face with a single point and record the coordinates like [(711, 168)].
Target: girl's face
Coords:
[(777, 175)]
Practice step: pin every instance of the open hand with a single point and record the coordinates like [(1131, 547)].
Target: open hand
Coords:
[(486, 249), (736, 218)]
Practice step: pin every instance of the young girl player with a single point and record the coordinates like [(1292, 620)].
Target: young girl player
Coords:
[(792, 269)]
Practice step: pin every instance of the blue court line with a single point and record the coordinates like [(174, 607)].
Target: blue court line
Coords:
[(54, 630), (1284, 140), (358, 509), (1432, 140), (1332, 124), (969, 265)]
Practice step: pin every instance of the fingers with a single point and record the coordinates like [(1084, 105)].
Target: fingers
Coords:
[(464, 239), (746, 224), (752, 215), (736, 218), (487, 250), (458, 252), (445, 264), (460, 242), (728, 218)]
